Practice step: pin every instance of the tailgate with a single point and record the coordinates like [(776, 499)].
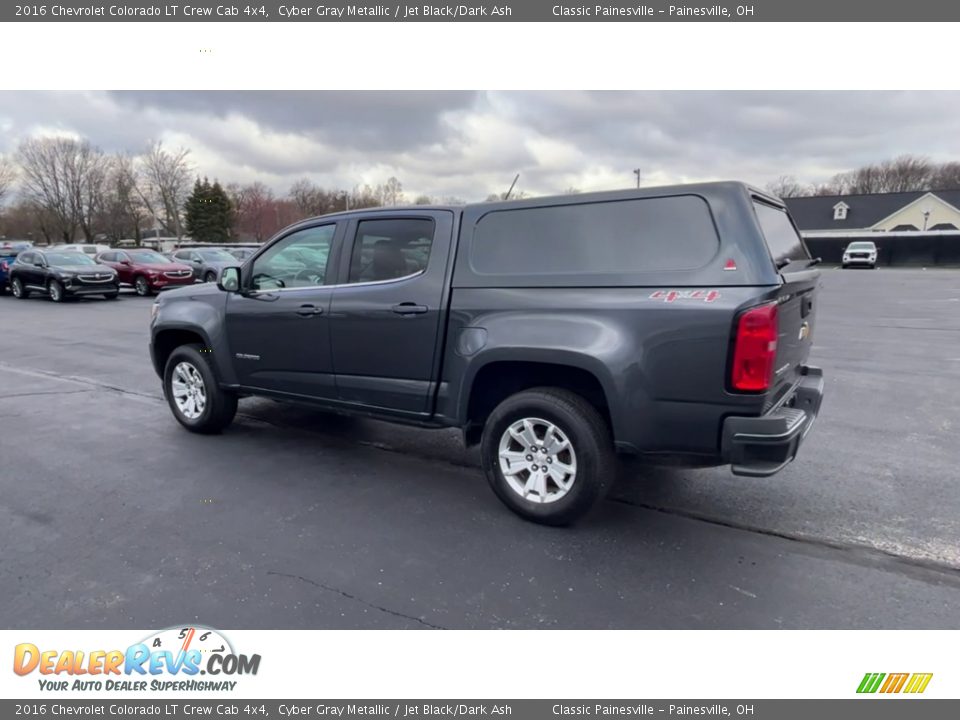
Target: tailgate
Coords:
[(796, 298), (796, 313)]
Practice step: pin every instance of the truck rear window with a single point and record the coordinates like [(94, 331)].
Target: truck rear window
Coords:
[(623, 236), (782, 238)]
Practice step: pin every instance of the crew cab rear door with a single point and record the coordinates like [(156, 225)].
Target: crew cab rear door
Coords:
[(388, 308), (796, 297)]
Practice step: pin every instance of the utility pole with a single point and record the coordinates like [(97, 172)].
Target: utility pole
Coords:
[(637, 173)]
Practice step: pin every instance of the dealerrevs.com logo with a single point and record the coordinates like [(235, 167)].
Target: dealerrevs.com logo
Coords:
[(172, 659), (890, 683)]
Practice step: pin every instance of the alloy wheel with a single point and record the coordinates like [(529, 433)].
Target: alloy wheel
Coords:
[(537, 460), (188, 390)]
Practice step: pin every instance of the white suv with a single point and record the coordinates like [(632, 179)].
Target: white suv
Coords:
[(861, 253), (90, 249)]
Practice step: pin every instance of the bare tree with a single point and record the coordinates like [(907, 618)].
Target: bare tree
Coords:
[(308, 198), (787, 186), (946, 177), (902, 174), (64, 177), (8, 175), (255, 210), (906, 173), (164, 184), (391, 192), (121, 213)]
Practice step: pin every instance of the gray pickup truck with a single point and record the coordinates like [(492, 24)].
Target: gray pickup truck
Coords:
[(670, 322)]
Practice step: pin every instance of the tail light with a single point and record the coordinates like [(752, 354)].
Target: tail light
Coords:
[(755, 349)]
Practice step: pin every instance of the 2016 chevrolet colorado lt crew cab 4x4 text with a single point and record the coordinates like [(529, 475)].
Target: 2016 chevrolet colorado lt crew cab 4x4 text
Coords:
[(555, 332)]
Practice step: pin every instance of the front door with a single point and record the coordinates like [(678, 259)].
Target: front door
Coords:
[(386, 312), (278, 327)]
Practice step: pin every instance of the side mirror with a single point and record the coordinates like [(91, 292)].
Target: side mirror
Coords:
[(229, 279), (125, 262)]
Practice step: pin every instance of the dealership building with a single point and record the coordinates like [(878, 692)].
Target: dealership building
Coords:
[(909, 228)]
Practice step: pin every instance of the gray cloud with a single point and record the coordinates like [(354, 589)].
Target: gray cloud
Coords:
[(471, 143)]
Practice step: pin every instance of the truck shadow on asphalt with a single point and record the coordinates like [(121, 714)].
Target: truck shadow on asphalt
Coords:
[(638, 482)]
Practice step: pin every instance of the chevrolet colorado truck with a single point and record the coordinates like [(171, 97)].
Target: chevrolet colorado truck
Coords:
[(670, 322)]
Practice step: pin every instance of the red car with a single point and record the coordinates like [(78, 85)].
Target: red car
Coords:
[(146, 271)]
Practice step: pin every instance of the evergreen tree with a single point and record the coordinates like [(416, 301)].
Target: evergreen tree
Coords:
[(208, 213)]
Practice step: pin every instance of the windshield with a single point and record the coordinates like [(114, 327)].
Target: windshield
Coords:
[(148, 256), (861, 246), (68, 258), (216, 255)]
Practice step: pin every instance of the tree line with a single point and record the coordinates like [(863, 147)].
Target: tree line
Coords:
[(904, 173), (68, 190)]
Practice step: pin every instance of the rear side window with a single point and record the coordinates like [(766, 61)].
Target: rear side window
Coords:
[(390, 249), (782, 238), (624, 236)]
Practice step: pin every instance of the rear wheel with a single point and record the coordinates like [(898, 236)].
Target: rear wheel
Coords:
[(18, 290), (141, 286), (55, 289), (196, 399), (548, 455)]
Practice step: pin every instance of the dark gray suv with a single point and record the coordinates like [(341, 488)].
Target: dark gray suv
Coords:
[(555, 332)]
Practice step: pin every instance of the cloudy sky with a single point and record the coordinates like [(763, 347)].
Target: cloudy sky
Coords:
[(469, 144)]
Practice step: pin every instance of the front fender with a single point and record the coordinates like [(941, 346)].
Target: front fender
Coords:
[(203, 315)]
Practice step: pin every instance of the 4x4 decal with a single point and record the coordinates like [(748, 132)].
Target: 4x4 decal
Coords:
[(673, 295)]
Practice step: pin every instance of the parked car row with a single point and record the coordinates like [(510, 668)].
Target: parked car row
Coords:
[(65, 271)]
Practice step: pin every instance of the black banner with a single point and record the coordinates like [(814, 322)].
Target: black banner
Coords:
[(872, 708), (483, 11)]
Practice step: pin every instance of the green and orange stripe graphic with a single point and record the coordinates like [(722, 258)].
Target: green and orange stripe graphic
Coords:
[(894, 682)]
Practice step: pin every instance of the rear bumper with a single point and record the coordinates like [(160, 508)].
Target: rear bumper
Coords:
[(762, 446)]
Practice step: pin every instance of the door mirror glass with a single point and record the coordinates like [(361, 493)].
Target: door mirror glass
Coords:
[(229, 279)]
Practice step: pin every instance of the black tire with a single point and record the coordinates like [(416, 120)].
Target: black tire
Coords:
[(55, 291), (220, 407), (111, 296), (589, 437), (18, 290), (142, 286), (210, 277)]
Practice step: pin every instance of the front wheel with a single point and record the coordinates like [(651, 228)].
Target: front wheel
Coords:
[(548, 455), (18, 290), (55, 289), (210, 277), (141, 286), (196, 399)]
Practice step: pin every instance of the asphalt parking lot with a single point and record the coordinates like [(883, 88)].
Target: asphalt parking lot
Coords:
[(113, 516)]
